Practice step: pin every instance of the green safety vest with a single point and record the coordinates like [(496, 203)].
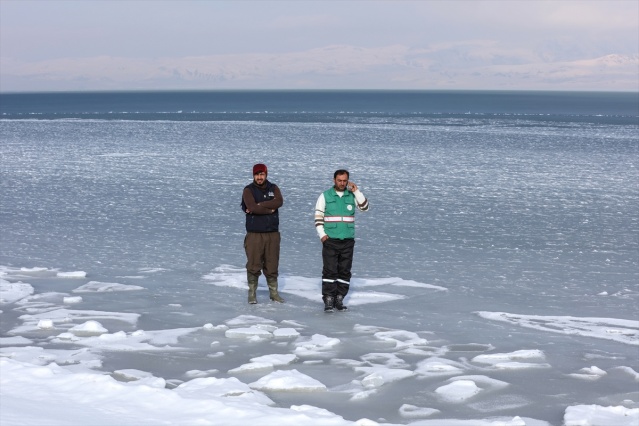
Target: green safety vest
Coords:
[(339, 214)]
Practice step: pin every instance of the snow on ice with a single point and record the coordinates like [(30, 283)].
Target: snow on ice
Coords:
[(41, 384)]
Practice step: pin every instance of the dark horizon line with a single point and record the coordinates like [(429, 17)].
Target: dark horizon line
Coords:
[(96, 91)]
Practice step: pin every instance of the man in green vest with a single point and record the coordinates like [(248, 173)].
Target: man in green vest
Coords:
[(335, 225)]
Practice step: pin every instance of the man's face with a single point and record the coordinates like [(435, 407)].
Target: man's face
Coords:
[(340, 182), (259, 178)]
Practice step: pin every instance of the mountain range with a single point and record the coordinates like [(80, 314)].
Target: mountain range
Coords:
[(468, 66)]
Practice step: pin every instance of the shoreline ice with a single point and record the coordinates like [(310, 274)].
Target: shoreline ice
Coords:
[(41, 381)]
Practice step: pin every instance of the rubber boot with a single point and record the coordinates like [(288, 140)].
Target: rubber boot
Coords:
[(272, 290), (252, 284), (328, 303)]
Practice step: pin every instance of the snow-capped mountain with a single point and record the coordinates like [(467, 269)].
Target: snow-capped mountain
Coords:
[(470, 65)]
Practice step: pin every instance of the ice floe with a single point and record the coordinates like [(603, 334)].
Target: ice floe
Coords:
[(100, 287), (289, 381), (625, 331)]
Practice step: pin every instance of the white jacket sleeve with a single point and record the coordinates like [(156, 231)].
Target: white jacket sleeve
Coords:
[(362, 202), (320, 206)]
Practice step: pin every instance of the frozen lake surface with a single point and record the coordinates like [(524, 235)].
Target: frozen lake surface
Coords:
[(495, 276)]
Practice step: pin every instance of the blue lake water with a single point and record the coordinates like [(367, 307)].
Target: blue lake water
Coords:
[(524, 202)]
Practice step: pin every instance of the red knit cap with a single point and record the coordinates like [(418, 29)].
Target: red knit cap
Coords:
[(259, 168)]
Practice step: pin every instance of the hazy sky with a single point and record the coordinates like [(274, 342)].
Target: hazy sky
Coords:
[(57, 42)]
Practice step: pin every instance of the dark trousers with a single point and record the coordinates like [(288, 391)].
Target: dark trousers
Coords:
[(262, 253), (337, 256)]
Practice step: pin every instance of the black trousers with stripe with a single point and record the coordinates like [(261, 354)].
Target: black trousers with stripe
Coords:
[(337, 256)]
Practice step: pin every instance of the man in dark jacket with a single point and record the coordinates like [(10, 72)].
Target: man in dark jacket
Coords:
[(261, 201)]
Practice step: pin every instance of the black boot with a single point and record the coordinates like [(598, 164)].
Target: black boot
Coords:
[(328, 303), (339, 303)]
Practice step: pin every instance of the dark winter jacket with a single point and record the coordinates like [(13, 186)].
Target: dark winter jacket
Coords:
[(261, 204)]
